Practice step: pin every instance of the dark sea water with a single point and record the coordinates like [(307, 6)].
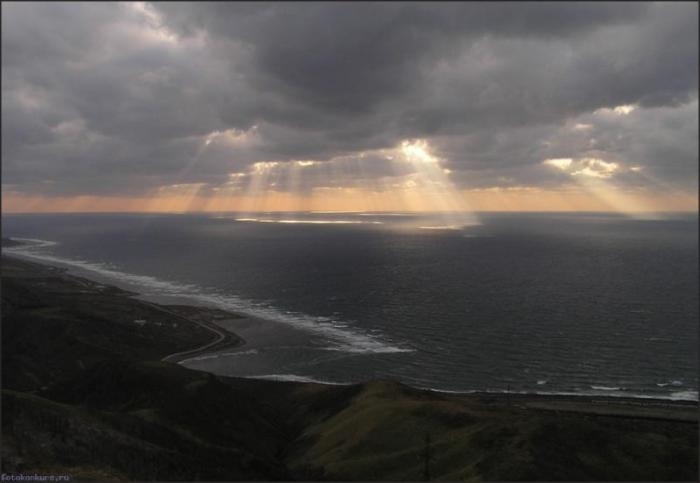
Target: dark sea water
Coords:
[(556, 303)]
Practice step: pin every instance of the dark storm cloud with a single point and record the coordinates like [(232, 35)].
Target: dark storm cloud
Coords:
[(119, 99), (348, 57)]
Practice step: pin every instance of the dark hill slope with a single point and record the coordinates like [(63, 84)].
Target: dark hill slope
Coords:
[(55, 325)]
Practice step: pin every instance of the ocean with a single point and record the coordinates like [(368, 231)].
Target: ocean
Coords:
[(587, 303)]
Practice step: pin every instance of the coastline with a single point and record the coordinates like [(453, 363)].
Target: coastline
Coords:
[(207, 317), (164, 292), (274, 325), (90, 388), (198, 315)]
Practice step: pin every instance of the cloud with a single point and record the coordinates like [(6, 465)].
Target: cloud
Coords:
[(122, 99), (591, 167), (560, 163)]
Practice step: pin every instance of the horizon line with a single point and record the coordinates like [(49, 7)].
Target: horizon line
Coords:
[(330, 212)]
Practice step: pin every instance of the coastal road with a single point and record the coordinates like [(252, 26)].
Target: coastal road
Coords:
[(223, 337)]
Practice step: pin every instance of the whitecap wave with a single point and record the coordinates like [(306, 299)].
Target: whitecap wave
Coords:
[(385, 350), (676, 396), (295, 378), (221, 354), (684, 396), (674, 383), (29, 243), (336, 331), (606, 388)]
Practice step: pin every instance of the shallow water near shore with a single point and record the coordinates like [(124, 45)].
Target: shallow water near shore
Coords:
[(551, 303)]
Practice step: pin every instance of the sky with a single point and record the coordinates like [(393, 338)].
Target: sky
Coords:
[(265, 106)]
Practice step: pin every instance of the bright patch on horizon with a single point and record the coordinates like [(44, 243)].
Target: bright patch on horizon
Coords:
[(181, 186), (309, 222), (442, 227)]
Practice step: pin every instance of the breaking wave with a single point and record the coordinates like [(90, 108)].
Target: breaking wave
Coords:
[(295, 378)]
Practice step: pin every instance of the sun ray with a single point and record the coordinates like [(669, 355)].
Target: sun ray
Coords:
[(437, 191), (595, 176)]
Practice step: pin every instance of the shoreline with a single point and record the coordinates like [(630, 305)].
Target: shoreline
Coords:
[(203, 316), (165, 292), (224, 338), (197, 315)]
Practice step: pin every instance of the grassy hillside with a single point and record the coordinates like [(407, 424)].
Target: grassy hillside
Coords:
[(381, 434), (85, 393)]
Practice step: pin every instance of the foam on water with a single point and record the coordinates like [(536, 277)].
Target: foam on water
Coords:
[(675, 396), (295, 378), (342, 337), (675, 383), (684, 396), (31, 243), (222, 354)]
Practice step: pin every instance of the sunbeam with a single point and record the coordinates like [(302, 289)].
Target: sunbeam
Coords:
[(595, 176), (433, 186), (256, 192)]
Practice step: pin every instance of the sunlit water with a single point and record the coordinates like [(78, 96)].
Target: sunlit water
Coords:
[(595, 304)]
